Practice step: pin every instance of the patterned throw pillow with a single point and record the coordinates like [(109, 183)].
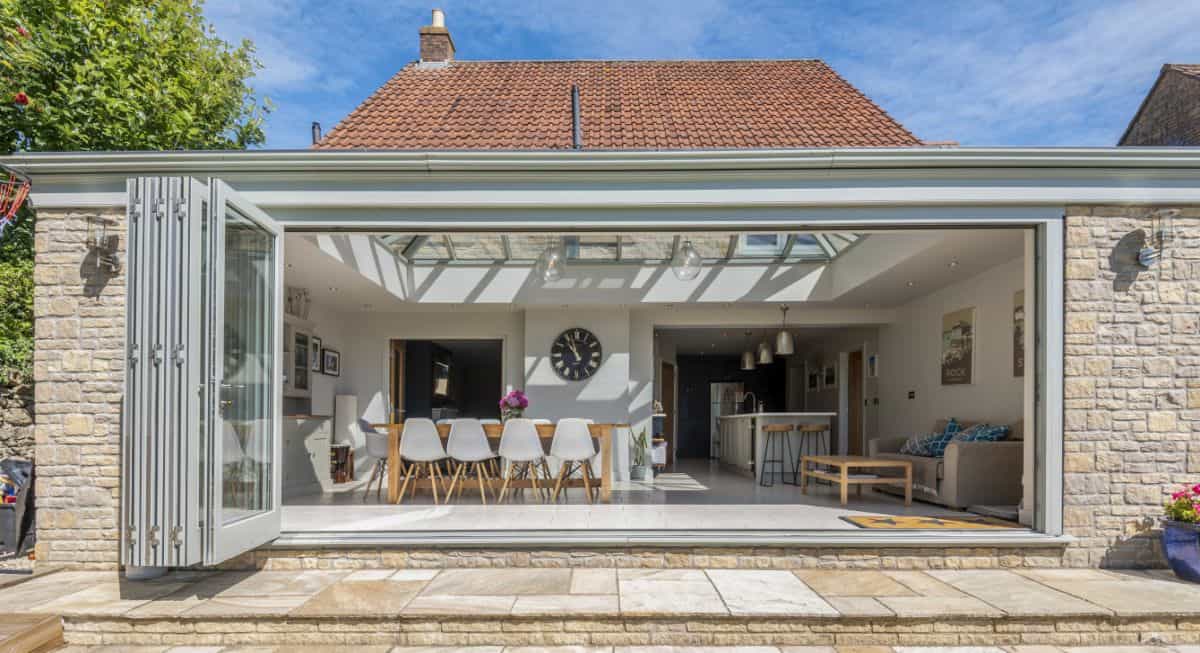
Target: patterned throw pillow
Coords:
[(915, 446), (937, 443), (983, 433)]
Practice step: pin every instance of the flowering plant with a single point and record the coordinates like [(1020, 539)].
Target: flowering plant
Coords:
[(513, 404), (1184, 505)]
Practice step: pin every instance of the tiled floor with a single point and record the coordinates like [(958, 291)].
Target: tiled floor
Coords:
[(609, 592), (697, 495), (632, 649)]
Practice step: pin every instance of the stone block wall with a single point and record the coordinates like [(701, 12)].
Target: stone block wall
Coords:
[(1132, 382), (79, 331), (16, 422)]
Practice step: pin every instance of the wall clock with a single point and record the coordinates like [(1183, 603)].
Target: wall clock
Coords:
[(576, 354)]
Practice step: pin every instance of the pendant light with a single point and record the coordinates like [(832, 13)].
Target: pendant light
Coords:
[(686, 262), (765, 357), (552, 261), (747, 356), (783, 340)]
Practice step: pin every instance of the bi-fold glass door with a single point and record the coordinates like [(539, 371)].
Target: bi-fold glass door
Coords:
[(201, 432)]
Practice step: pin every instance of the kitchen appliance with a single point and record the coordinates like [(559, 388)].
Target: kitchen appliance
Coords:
[(723, 400)]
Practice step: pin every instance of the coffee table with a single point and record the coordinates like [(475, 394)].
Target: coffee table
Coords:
[(843, 466)]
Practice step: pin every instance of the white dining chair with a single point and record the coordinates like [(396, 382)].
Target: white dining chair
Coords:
[(572, 444), (468, 447), (377, 448), (521, 449), (541, 420), (489, 421), (421, 445)]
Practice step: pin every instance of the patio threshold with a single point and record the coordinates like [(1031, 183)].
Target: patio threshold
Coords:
[(667, 538)]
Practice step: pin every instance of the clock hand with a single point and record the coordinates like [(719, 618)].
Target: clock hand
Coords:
[(571, 344)]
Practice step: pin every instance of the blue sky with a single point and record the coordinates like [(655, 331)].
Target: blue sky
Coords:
[(981, 73)]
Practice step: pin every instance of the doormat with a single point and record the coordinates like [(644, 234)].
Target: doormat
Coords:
[(900, 522)]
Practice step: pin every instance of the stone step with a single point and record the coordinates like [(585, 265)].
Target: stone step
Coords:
[(617, 607), (23, 633), (626, 649)]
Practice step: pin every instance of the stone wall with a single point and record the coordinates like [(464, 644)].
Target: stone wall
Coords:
[(1171, 114), (1132, 386), (79, 331), (16, 422)]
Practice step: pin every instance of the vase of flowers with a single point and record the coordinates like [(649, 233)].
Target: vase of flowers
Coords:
[(1181, 533), (513, 405)]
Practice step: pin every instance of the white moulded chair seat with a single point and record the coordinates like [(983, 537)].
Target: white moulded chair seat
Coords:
[(572, 444), (489, 421), (541, 420), (521, 449), (421, 445), (470, 451), (377, 448)]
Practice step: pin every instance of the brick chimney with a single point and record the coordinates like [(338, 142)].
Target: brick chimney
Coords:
[(436, 44)]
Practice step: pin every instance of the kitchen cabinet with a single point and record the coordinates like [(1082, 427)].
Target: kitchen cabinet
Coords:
[(306, 441)]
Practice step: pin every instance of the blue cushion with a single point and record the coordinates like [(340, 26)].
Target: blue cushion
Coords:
[(983, 433), (936, 444)]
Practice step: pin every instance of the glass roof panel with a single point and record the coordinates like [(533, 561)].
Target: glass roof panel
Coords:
[(603, 248), (710, 245), (476, 247), (646, 246), (429, 247), (527, 247)]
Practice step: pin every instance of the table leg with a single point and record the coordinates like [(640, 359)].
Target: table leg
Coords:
[(606, 465), (845, 485), (908, 484), (393, 477), (804, 475)]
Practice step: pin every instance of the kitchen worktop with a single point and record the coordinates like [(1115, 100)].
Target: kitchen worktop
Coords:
[(795, 414)]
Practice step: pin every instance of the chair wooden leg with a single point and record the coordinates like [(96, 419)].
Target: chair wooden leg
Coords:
[(479, 472), (562, 470), (458, 468), (383, 476), (587, 479), (490, 478), (537, 489), (433, 481), (408, 476), (374, 473), (512, 469)]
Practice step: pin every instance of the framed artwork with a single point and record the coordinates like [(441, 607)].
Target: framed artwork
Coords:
[(873, 366), (331, 362), (314, 353), (1019, 333), (958, 347), (830, 377)]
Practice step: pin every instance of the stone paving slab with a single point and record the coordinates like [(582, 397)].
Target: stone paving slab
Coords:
[(627, 649), (596, 593)]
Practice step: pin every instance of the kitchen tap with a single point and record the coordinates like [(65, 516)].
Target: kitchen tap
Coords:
[(756, 405)]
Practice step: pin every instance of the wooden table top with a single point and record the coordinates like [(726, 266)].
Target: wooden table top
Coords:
[(494, 431)]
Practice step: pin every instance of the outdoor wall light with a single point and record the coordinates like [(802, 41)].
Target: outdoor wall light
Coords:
[(103, 244), (686, 262), (1162, 232), (552, 261)]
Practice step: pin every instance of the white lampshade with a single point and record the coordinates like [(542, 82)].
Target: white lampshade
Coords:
[(765, 357), (551, 263), (747, 360), (783, 344), (686, 262)]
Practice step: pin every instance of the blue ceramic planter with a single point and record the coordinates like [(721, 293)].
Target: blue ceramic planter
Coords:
[(1181, 544)]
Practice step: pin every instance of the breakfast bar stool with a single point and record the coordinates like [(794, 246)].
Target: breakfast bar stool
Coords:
[(420, 444), (468, 446), (778, 440), (814, 441), (572, 446)]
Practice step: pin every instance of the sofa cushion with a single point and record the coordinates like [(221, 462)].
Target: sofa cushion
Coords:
[(983, 433), (917, 445), (936, 445)]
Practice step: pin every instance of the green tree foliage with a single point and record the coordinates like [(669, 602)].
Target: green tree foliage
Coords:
[(109, 75)]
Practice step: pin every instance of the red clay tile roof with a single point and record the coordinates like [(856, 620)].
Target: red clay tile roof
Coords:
[(644, 105)]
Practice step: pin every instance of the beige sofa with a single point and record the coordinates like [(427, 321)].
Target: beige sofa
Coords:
[(971, 473)]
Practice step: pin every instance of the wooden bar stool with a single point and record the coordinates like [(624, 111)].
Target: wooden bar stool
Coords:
[(778, 440), (814, 441)]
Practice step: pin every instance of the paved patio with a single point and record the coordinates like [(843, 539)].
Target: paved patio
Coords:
[(618, 606), (632, 649)]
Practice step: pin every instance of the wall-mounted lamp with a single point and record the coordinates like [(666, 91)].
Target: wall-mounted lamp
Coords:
[(1162, 232), (103, 244)]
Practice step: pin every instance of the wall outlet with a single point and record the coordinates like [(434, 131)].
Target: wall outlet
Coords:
[(912, 394)]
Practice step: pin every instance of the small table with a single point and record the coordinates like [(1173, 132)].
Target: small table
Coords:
[(844, 464)]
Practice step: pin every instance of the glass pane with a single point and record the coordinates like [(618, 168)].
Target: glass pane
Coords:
[(248, 370), (602, 248), (527, 247), (806, 246), (471, 247), (430, 247), (646, 246), (710, 246), (755, 245)]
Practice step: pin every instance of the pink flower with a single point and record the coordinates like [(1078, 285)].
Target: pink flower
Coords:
[(1196, 489), (1178, 495)]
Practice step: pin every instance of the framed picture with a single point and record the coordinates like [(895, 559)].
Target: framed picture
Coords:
[(873, 366), (331, 362), (958, 347), (314, 353), (830, 377), (1018, 331)]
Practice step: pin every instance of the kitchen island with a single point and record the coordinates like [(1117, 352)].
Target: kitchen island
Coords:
[(743, 443)]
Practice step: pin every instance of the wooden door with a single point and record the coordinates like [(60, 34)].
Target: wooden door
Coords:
[(668, 401), (854, 429), (396, 377)]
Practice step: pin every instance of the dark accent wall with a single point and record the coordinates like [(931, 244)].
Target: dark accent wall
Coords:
[(697, 372), (475, 377)]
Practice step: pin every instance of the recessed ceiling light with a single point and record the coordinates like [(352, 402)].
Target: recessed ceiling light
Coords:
[(952, 264), (333, 289), (910, 284)]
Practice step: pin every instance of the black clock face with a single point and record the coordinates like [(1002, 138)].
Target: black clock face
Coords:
[(575, 354)]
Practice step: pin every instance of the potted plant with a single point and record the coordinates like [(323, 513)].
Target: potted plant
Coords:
[(640, 470), (513, 405), (1181, 533)]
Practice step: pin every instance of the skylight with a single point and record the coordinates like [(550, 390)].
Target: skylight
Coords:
[(729, 247)]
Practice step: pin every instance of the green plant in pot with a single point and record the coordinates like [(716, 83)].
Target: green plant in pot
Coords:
[(1181, 533), (641, 448)]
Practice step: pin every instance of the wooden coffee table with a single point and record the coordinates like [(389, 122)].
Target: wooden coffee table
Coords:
[(843, 465)]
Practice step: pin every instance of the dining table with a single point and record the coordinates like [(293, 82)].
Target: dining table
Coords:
[(603, 433)]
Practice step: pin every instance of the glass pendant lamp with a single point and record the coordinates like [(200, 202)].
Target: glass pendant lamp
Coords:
[(747, 356), (765, 357), (552, 261), (686, 263), (784, 346)]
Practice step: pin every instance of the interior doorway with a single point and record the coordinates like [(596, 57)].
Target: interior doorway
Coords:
[(668, 402), (396, 385), (854, 404)]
